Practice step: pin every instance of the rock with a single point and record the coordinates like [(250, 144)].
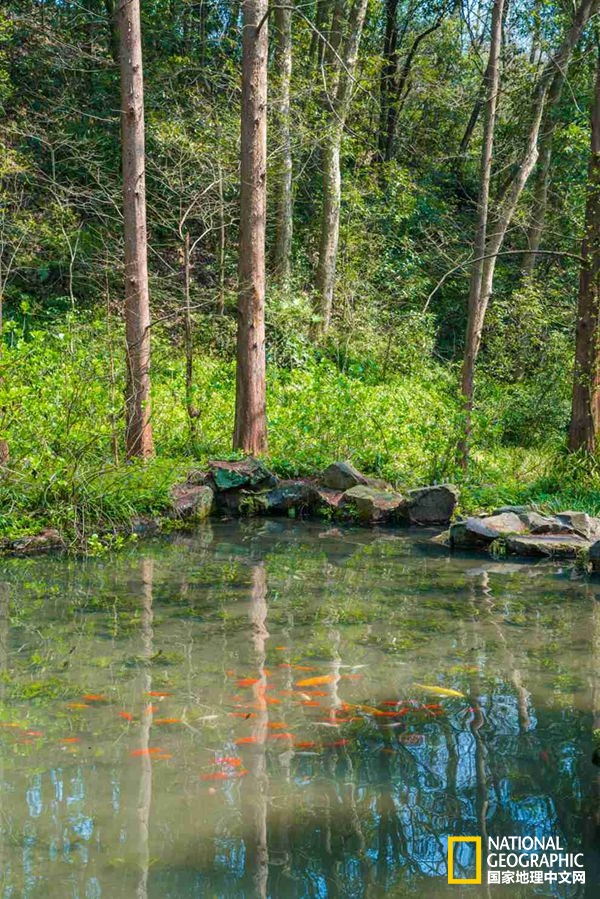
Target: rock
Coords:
[(248, 473), (191, 503), (544, 524), (342, 476), (327, 502), (518, 510), (431, 505), (577, 521), (371, 506), (442, 539), (48, 540), (292, 498), (594, 556), (559, 546), (479, 532)]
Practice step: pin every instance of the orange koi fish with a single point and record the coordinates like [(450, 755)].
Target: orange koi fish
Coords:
[(95, 697), (247, 681), (151, 750), (242, 740), (160, 693), (77, 705), (315, 681), (232, 760), (127, 716), (167, 721)]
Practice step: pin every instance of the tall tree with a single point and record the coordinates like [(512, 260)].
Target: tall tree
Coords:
[(492, 84), (341, 68), (542, 100), (250, 433), (585, 408), (282, 256), (137, 300)]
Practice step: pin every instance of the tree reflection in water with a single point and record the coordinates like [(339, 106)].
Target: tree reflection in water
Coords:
[(364, 813)]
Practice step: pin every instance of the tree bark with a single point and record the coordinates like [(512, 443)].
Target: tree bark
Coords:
[(138, 436), (282, 256), (250, 432), (542, 176), (388, 72), (492, 79), (585, 408), (506, 206), (342, 79)]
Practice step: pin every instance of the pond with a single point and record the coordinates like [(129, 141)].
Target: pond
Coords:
[(254, 709)]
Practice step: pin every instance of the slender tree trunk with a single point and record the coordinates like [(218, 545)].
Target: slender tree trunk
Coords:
[(487, 151), (315, 51), (507, 205), (138, 434), (343, 80), (388, 73), (542, 178), (222, 236), (193, 413), (282, 257), (250, 432), (585, 410)]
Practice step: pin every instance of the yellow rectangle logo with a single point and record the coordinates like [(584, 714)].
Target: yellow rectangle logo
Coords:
[(451, 842)]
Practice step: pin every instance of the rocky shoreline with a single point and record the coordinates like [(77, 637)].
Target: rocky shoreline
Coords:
[(341, 493)]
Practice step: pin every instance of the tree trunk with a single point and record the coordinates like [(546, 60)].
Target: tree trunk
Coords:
[(342, 68), (138, 436), (193, 413), (282, 256), (542, 181), (585, 410), (543, 97), (487, 151), (250, 432), (388, 73)]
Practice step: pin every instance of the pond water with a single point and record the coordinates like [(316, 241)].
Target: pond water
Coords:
[(237, 713)]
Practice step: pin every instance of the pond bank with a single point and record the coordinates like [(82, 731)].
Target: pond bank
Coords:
[(341, 493)]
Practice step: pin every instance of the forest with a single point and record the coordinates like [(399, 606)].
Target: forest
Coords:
[(307, 231)]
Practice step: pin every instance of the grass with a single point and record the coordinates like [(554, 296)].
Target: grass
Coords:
[(60, 409)]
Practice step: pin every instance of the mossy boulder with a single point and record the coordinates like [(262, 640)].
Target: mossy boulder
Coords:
[(369, 505), (250, 474), (431, 505), (342, 476), (191, 503)]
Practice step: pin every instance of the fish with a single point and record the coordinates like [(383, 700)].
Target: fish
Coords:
[(313, 703), (224, 775), (34, 733), (281, 648), (319, 693), (95, 697), (151, 709), (127, 716), (272, 701), (315, 681), (247, 681), (161, 756), (232, 760), (242, 714), (70, 740), (77, 705), (160, 693), (304, 744), (160, 721), (274, 725), (338, 743), (439, 691), (242, 740), (285, 736), (150, 750)]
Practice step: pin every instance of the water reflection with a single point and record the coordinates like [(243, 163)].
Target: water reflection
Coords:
[(201, 642)]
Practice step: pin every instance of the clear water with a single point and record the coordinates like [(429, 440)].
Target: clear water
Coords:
[(328, 798)]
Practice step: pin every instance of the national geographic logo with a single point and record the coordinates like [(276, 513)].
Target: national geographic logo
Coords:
[(518, 860)]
